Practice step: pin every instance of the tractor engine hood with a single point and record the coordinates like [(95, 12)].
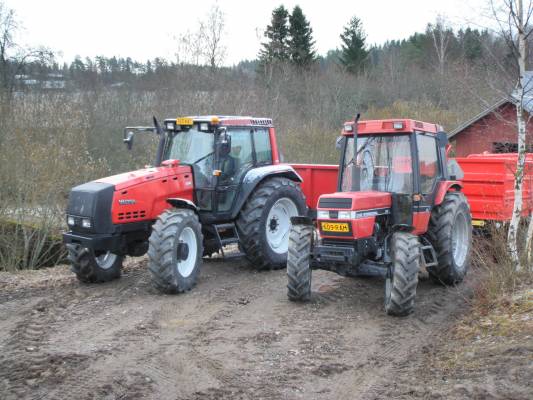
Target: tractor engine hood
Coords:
[(355, 201), (129, 179)]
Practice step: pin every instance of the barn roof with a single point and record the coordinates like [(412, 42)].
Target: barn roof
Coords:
[(527, 84)]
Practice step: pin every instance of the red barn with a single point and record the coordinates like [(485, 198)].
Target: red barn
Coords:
[(493, 130)]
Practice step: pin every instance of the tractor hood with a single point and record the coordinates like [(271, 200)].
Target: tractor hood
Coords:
[(355, 201), (129, 179)]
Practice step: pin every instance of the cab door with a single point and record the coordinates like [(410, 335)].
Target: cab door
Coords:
[(429, 175)]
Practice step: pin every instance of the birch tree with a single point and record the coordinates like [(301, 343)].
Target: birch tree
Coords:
[(516, 29)]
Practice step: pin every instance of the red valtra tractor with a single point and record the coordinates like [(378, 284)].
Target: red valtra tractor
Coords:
[(216, 181), (398, 208)]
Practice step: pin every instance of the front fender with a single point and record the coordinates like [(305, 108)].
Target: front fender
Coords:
[(255, 176), (182, 203)]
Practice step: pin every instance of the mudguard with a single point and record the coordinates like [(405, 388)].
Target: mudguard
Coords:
[(255, 176), (182, 203)]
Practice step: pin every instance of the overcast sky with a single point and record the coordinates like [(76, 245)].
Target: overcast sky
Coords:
[(147, 29)]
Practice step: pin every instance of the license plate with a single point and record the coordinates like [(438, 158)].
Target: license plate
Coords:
[(335, 227), (184, 121)]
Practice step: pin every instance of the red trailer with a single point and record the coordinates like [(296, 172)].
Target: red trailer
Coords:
[(488, 184)]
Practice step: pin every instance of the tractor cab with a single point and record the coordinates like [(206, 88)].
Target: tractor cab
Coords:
[(395, 172), (220, 150)]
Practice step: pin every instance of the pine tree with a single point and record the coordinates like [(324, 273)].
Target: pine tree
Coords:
[(277, 33), (353, 52), (301, 41)]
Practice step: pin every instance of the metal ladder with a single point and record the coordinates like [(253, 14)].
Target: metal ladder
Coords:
[(227, 234), (429, 257)]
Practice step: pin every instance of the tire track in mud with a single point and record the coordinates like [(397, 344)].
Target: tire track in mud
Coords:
[(25, 363)]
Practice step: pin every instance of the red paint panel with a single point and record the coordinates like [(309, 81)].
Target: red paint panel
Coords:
[(149, 191), (364, 200), (317, 180), (443, 188), (274, 145), (420, 222), (488, 185), (381, 126)]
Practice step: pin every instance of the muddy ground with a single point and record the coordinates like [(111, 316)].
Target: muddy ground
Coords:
[(236, 336)]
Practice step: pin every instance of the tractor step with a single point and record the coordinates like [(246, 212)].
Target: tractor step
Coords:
[(227, 234), (429, 256)]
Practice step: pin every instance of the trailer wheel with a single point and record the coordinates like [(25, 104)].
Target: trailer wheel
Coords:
[(400, 285), (175, 251), (94, 268), (298, 258), (450, 233), (264, 222)]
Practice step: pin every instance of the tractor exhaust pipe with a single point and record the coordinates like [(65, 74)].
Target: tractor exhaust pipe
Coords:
[(356, 175), (161, 145)]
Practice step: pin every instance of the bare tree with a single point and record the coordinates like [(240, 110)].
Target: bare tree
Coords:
[(205, 45), (441, 35), (13, 57)]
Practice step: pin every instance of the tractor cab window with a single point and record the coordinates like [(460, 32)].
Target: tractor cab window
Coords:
[(235, 162), (384, 164), (428, 162), (263, 150)]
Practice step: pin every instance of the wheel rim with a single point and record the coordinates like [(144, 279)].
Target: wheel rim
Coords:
[(460, 240), (278, 224), (186, 266), (106, 260)]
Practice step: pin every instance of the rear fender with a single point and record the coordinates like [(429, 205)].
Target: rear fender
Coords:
[(182, 203), (445, 187), (257, 175)]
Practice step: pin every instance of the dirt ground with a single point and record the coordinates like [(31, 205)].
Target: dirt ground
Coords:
[(236, 336)]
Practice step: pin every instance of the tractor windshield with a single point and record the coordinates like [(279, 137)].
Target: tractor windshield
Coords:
[(195, 148), (384, 161)]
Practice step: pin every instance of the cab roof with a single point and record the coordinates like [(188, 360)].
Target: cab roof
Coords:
[(380, 126), (228, 120)]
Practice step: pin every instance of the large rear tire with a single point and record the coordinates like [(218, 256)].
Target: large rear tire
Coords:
[(400, 285), (450, 233), (264, 222), (175, 251), (94, 268), (298, 263)]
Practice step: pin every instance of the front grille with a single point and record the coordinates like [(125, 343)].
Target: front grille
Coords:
[(335, 202), (131, 215)]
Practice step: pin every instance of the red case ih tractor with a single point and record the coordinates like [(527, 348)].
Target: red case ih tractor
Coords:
[(216, 181), (398, 208)]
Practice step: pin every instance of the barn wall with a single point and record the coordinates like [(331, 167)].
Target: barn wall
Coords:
[(498, 126)]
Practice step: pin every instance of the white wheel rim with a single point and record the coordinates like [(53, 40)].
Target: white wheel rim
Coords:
[(188, 237), (106, 260), (278, 224), (460, 240)]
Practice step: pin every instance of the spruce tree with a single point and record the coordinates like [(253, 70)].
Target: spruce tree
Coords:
[(353, 51), (277, 33), (301, 41)]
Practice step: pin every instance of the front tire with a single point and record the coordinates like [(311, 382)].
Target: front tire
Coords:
[(94, 268), (298, 260), (175, 251), (264, 222), (450, 233), (400, 285)]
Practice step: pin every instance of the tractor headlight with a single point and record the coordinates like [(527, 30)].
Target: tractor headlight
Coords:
[(170, 126), (70, 221), (322, 214), (345, 214), (86, 223)]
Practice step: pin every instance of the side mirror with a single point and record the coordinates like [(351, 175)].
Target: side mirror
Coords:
[(340, 142), (128, 139)]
